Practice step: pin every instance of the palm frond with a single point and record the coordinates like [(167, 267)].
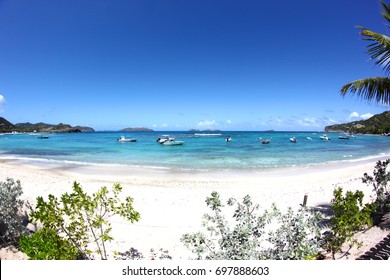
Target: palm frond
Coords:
[(379, 50), (377, 89), (386, 11)]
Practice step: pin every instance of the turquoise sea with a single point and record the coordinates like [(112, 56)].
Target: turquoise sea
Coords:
[(245, 151)]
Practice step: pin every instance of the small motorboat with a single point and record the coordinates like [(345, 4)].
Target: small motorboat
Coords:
[(266, 141), (309, 138), (172, 143), (164, 138), (324, 137), (344, 137), (293, 139), (228, 139), (43, 137), (124, 139)]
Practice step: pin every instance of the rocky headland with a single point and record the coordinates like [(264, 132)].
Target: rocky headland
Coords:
[(377, 124), (8, 127)]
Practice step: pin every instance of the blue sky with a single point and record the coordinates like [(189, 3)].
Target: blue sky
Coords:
[(177, 64)]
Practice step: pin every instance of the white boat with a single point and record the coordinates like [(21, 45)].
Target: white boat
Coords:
[(309, 138), (124, 139), (172, 143), (293, 139), (228, 139), (164, 138), (324, 137)]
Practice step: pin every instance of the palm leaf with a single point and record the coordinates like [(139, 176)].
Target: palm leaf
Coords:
[(379, 49), (386, 11), (377, 89)]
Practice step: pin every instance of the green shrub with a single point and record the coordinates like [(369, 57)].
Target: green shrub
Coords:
[(249, 236), (380, 183), (349, 216), (83, 219), (12, 211), (45, 244)]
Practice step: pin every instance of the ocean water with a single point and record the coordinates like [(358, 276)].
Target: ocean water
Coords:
[(245, 151)]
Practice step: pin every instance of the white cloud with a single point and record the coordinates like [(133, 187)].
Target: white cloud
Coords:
[(294, 123), (366, 116), (357, 116), (315, 122), (354, 115), (2, 103), (272, 123), (329, 121), (229, 122), (207, 123), (163, 125), (310, 121), (276, 121)]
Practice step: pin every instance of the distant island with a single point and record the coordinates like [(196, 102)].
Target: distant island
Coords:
[(377, 124), (7, 127), (134, 129)]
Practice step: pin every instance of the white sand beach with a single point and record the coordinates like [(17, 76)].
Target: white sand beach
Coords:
[(171, 203)]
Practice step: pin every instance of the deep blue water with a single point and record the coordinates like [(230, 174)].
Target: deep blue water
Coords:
[(205, 153)]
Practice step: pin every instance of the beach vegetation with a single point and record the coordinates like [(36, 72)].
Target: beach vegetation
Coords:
[(378, 88), (380, 181), (349, 216), (46, 244), (13, 212), (251, 234), (82, 219)]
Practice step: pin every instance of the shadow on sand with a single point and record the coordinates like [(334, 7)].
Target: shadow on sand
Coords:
[(380, 251), (326, 212), (134, 254)]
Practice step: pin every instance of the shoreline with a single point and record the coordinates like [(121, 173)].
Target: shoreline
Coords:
[(172, 203), (80, 166)]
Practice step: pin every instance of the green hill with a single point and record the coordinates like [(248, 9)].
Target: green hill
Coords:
[(377, 124), (44, 127), (6, 127)]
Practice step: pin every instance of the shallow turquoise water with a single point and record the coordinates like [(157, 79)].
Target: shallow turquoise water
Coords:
[(201, 153)]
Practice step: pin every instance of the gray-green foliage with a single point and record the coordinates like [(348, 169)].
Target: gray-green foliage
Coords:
[(254, 235), (82, 219), (12, 211), (297, 236), (380, 183)]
